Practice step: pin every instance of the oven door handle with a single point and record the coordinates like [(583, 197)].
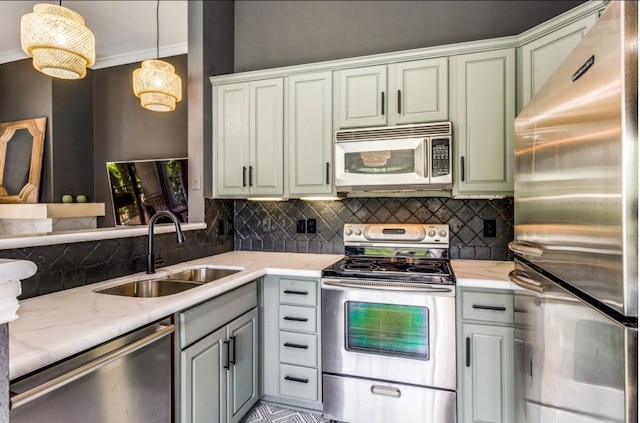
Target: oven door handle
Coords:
[(383, 286)]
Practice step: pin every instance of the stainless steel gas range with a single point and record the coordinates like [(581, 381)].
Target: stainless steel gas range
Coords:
[(388, 326)]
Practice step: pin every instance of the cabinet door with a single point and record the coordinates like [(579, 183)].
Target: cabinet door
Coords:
[(483, 111), (243, 372), (487, 394), (231, 130), (541, 57), (266, 133), (419, 91), (361, 97), (309, 134), (204, 380)]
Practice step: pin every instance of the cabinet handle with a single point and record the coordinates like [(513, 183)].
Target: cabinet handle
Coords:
[(488, 307), (462, 168), (290, 345), (328, 175), (288, 291), (296, 319), (233, 349), (382, 103), (468, 352), (244, 176), (399, 102), (296, 379), (226, 366), (250, 176)]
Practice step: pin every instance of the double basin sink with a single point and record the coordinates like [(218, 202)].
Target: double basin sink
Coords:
[(168, 285)]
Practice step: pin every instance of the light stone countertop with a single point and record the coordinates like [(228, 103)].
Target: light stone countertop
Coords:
[(483, 274), (52, 327)]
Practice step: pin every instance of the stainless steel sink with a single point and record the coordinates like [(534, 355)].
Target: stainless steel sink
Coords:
[(202, 274), (150, 288)]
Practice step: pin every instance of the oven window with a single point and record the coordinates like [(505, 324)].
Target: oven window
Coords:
[(380, 162), (388, 329)]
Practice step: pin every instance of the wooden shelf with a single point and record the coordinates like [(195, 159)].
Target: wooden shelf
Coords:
[(51, 210)]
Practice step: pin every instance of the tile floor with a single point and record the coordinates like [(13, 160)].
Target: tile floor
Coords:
[(269, 413)]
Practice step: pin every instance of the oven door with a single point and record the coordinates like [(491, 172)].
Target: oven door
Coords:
[(383, 164), (404, 335)]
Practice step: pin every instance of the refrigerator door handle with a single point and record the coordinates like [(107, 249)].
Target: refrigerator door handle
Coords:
[(526, 248), (521, 279)]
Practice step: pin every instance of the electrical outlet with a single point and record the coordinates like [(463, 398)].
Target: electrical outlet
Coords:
[(301, 226), (266, 225), (489, 228), (221, 230), (311, 226)]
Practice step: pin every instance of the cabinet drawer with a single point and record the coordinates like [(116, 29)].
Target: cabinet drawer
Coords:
[(298, 348), (294, 291), (297, 318), (203, 319), (299, 382), (487, 306)]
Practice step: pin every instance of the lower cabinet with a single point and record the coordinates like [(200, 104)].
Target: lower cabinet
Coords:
[(219, 370), (485, 357), (290, 327)]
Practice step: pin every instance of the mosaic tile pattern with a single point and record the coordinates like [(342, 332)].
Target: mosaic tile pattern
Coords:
[(65, 266), (271, 226), (264, 412)]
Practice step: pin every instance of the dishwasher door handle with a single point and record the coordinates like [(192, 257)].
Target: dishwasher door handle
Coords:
[(23, 398)]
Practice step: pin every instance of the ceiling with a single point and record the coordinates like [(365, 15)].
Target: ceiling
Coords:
[(125, 30)]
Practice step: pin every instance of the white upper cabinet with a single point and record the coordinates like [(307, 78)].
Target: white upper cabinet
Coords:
[(541, 57), (483, 111), (249, 137), (418, 92), (308, 134), (400, 93), (361, 97)]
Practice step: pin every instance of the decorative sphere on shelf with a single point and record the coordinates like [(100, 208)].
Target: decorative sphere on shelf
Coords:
[(81, 198), (67, 198)]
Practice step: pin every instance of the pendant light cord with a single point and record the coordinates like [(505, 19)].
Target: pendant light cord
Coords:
[(157, 29)]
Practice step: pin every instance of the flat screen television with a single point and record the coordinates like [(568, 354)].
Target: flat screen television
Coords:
[(140, 188)]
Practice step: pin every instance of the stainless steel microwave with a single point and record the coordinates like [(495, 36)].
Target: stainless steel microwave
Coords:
[(394, 158)]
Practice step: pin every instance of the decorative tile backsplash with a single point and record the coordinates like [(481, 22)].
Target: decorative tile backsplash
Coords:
[(65, 266), (271, 226), (268, 226)]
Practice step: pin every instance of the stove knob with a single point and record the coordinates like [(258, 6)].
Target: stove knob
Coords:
[(358, 232), (348, 231), (431, 233), (443, 233)]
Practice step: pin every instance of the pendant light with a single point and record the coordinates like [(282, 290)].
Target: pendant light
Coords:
[(156, 82), (59, 42)]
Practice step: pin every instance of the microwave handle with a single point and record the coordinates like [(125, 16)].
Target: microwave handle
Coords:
[(427, 157)]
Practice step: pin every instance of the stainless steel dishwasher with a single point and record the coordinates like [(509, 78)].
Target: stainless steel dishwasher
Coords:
[(128, 379)]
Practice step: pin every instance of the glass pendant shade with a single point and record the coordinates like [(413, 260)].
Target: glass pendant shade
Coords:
[(157, 86), (59, 42)]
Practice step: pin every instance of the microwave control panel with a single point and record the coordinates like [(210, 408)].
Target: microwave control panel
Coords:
[(440, 156)]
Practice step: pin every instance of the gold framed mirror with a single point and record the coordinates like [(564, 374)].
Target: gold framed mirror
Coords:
[(21, 150)]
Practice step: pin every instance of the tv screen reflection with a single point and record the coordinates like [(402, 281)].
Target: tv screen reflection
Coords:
[(142, 187)]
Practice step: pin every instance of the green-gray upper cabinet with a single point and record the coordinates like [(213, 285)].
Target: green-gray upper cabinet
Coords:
[(482, 109), (394, 94), (309, 134), (249, 138), (540, 57)]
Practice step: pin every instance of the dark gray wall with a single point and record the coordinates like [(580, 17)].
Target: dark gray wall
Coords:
[(282, 33), (123, 130), (72, 125), (26, 93)]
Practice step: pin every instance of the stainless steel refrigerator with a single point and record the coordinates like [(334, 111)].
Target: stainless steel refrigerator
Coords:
[(576, 233)]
